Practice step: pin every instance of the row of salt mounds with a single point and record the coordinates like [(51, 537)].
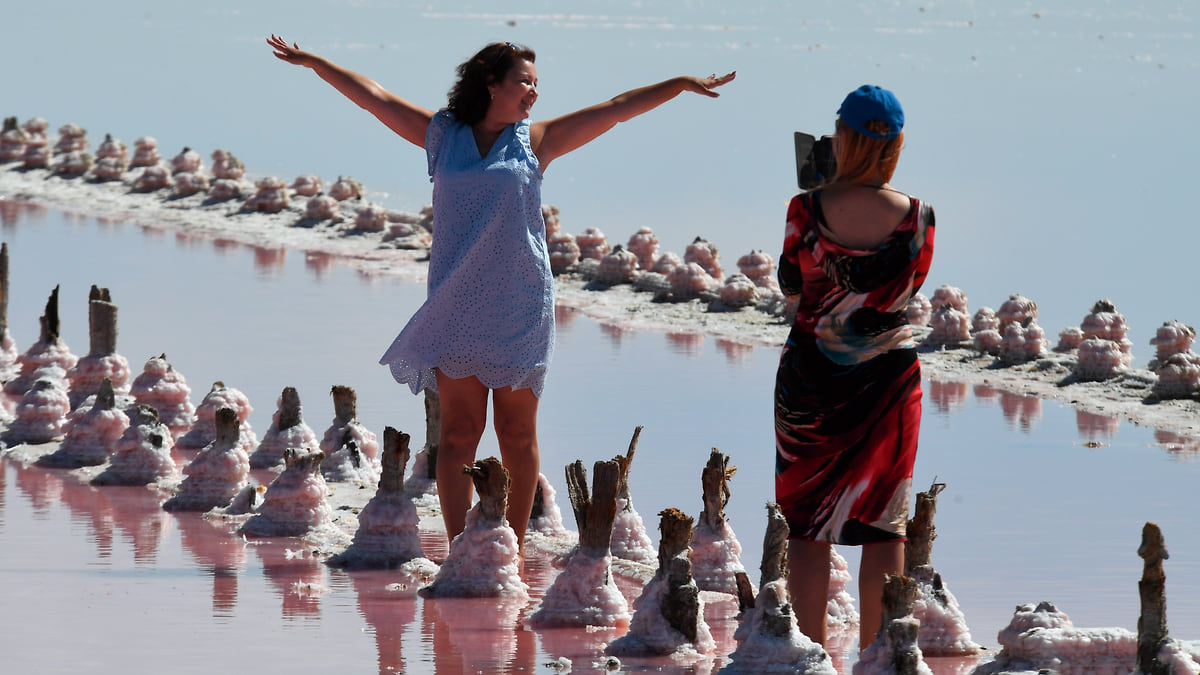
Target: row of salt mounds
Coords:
[(1177, 366), (697, 275), (184, 174)]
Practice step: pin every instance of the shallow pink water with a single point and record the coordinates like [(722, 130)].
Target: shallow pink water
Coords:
[(102, 579)]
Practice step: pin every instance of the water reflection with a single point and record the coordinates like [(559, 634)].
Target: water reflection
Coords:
[(267, 259), (688, 344), (1096, 428), (217, 551), (1182, 447), (389, 611), (946, 395), (736, 353), (13, 211), (299, 579), (478, 635), (41, 487)]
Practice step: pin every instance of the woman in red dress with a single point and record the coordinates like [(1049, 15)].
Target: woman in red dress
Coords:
[(848, 389)]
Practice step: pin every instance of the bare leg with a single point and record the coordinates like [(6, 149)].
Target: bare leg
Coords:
[(878, 560), (809, 564), (516, 431), (464, 417)]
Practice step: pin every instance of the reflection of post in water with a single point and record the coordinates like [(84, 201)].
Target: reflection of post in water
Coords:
[(219, 552), (90, 506), (43, 488), (299, 578), (1020, 410), (478, 635), (389, 611), (1093, 427), (946, 395)]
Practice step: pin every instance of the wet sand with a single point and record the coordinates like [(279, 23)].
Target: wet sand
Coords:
[(1128, 396)]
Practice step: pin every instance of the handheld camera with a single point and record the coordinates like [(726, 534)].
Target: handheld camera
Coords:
[(815, 161)]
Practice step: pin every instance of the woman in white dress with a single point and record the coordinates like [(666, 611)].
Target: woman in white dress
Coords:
[(487, 326)]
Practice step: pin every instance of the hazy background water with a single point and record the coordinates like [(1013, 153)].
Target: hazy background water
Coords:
[(1053, 139), (1031, 511)]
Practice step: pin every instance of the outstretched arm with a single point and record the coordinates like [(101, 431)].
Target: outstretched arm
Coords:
[(554, 138), (407, 120)]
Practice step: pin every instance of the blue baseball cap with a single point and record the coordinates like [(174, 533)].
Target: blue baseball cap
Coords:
[(870, 102)]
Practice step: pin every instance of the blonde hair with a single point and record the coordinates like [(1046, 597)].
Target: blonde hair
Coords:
[(861, 158)]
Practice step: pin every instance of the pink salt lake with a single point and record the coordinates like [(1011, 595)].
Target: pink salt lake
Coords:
[(1042, 503)]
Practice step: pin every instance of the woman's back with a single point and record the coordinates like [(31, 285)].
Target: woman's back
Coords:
[(862, 217)]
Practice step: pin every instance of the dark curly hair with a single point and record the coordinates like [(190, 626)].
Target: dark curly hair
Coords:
[(469, 97)]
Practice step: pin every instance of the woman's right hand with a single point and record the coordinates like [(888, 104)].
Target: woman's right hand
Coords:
[(290, 53)]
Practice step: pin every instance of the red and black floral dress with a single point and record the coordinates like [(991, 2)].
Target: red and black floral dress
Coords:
[(848, 389)]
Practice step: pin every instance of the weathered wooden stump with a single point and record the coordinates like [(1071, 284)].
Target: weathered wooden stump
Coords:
[(228, 427), (594, 513), (102, 323), (918, 550), (4, 286), (49, 321), (433, 431), (681, 603), (395, 459), (345, 404), (774, 555), (715, 481), (900, 628), (290, 411), (491, 484), (624, 464), (1152, 624)]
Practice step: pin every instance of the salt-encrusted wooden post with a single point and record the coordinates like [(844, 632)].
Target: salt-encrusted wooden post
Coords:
[(228, 426), (49, 319), (290, 410), (715, 481), (624, 464), (774, 555), (433, 431), (102, 323), (395, 459), (899, 627), (345, 404), (594, 513), (3, 290), (491, 483), (1152, 624), (681, 604), (918, 550)]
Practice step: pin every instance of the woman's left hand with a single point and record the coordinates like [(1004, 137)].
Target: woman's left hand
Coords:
[(707, 85)]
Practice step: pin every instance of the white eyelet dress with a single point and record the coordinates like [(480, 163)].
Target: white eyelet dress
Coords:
[(490, 305)]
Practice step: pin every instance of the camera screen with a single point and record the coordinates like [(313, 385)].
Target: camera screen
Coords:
[(815, 163)]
